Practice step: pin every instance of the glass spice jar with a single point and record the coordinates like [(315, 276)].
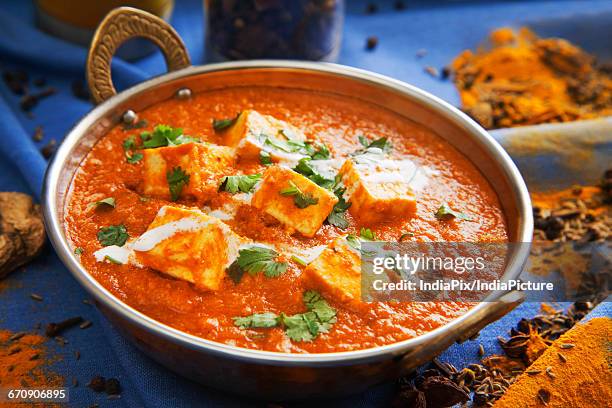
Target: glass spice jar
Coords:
[(277, 29)]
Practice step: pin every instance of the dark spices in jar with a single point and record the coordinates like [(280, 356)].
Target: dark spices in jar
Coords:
[(277, 29)]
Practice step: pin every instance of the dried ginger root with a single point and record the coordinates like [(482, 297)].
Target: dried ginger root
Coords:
[(22, 233)]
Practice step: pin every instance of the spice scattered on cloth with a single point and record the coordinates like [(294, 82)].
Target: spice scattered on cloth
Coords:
[(520, 79), (24, 363), (573, 372)]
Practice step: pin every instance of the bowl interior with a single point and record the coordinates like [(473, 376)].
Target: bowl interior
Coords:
[(400, 98)]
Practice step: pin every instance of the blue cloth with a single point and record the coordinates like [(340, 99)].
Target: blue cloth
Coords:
[(442, 28)]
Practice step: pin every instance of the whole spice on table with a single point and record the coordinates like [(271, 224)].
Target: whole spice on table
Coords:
[(521, 79), (22, 233)]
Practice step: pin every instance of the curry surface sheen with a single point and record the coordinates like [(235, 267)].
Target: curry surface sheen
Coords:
[(333, 120)]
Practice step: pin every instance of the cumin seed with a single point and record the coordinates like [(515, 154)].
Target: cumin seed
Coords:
[(562, 357), (567, 346)]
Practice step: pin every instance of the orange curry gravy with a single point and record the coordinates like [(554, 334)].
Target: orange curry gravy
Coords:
[(336, 121)]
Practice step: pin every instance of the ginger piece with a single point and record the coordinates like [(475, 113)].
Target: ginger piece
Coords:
[(22, 232)]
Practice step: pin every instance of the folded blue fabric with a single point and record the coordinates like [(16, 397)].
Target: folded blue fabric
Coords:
[(443, 29)]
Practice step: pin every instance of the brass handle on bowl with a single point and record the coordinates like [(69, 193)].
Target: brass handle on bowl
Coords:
[(120, 25)]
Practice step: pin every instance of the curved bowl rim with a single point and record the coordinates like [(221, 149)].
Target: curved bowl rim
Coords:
[(107, 299)]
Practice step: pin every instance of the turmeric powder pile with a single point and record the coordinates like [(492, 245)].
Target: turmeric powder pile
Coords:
[(573, 372), (525, 80)]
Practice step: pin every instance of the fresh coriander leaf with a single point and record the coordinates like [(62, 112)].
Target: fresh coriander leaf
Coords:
[(353, 241), (113, 235), (307, 326), (257, 320), (382, 143), (300, 199), (177, 179), (78, 251), (445, 212), (322, 153), (367, 233), (299, 260), (405, 235), (265, 158), (256, 259), (235, 272), (164, 135), (107, 202), (112, 260), (222, 124), (129, 143), (337, 217), (133, 158), (296, 328), (243, 183), (305, 168)]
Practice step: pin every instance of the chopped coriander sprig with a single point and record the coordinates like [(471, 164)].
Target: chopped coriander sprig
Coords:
[(164, 135), (257, 321), (129, 146), (256, 259), (305, 168), (222, 124), (243, 183), (381, 143), (106, 202), (446, 212), (298, 327), (337, 217), (300, 199), (177, 179), (367, 234), (113, 235)]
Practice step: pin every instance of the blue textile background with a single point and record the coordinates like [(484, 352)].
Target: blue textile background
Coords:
[(443, 28)]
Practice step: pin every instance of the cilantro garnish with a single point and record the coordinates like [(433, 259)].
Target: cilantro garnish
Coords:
[(257, 320), (112, 260), (322, 153), (265, 158), (307, 326), (405, 235), (298, 327), (129, 145), (133, 158), (445, 212), (222, 124), (367, 233), (113, 235), (78, 251), (177, 179), (107, 202), (305, 168), (256, 259), (300, 199), (243, 183), (382, 143), (164, 135), (337, 217)]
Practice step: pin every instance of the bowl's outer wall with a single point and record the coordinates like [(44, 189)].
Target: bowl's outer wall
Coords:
[(279, 375)]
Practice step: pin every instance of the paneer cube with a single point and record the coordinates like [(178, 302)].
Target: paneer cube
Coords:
[(189, 245), (204, 163), (253, 132), (380, 188), (336, 272), (286, 208)]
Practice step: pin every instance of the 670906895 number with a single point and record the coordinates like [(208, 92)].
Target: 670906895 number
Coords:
[(34, 395)]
